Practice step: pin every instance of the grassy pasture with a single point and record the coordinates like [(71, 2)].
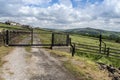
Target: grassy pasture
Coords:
[(93, 41), (46, 38), (9, 27), (95, 56)]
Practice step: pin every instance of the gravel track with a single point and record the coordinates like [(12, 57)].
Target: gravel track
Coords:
[(35, 65)]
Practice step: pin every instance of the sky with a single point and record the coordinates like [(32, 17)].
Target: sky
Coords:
[(63, 14)]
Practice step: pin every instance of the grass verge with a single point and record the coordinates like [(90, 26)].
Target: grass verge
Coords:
[(81, 68), (3, 52), (100, 58)]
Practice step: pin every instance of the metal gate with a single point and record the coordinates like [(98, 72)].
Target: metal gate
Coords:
[(36, 38)]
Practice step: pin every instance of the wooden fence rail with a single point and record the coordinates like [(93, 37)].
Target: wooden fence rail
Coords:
[(110, 52)]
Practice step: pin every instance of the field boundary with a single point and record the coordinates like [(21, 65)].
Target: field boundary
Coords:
[(109, 52)]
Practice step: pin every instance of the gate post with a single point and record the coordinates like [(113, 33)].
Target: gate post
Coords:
[(100, 40), (31, 36), (52, 40), (108, 52), (7, 37), (67, 40)]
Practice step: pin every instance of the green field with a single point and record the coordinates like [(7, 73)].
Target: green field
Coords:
[(93, 41), (45, 38), (10, 27), (95, 56)]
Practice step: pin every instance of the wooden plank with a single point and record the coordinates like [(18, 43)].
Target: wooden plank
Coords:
[(92, 51), (115, 55), (113, 49), (114, 52), (87, 45), (87, 48)]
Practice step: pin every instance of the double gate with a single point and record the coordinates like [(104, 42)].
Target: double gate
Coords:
[(36, 38)]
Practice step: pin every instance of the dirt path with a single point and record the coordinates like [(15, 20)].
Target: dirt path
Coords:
[(16, 67), (36, 65), (45, 67)]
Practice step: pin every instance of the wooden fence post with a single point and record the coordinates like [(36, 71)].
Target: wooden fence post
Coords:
[(73, 50), (108, 52)]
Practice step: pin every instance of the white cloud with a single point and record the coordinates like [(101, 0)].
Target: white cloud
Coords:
[(67, 3), (36, 2), (105, 15)]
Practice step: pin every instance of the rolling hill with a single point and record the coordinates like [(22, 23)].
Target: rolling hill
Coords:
[(109, 35), (92, 31)]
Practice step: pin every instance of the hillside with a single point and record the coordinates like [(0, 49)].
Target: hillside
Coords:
[(10, 27), (92, 31)]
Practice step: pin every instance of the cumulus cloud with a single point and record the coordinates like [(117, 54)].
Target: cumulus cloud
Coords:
[(36, 2), (63, 14)]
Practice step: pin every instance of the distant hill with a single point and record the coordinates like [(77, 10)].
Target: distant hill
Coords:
[(92, 31), (54, 30), (110, 35)]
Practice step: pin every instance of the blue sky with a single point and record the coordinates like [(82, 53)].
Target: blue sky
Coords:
[(63, 14)]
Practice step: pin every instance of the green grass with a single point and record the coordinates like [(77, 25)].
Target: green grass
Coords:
[(94, 56), (3, 52), (45, 36), (99, 58), (77, 71), (82, 68), (93, 41), (10, 27)]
